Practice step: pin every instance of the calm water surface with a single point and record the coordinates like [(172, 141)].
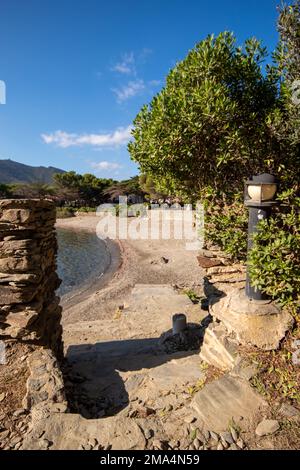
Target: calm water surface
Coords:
[(81, 258)]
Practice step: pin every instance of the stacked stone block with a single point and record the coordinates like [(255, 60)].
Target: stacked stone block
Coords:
[(29, 308), (220, 270)]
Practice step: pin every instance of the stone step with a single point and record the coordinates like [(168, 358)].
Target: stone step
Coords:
[(147, 314), (226, 400), (71, 431)]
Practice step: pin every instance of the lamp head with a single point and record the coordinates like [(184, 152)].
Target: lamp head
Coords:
[(260, 190)]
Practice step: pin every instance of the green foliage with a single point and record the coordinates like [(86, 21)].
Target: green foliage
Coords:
[(124, 188), (192, 295), (37, 190), (14, 172), (207, 127), (284, 123), (274, 261), (87, 187), (278, 378), (287, 53), (226, 226), (64, 212), (148, 185), (85, 209), (5, 191)]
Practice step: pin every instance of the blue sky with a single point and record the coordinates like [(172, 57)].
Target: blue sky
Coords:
[(78, 71)]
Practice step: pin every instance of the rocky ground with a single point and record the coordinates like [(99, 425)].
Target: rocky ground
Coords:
[(129, 387), (14, 418), (130, 384)]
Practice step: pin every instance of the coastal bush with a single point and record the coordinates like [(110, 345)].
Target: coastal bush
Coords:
[(64, 212), (226, 223), (274, 261), (208, 126), (86, 209), (5, 191)]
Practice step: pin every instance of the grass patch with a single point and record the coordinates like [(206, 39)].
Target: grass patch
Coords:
[(192, 295)]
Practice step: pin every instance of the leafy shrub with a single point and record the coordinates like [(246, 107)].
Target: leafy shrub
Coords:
[(64, 212), (208, 125), (274, 261), (226, 226), (86, 209)]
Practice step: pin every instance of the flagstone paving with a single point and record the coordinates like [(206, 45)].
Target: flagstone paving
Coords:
[(128, 393)]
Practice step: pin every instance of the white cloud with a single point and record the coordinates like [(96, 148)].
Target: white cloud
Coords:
[(126, 66), (155, 82), (105, 165), (145, 53), (132, 88), (120, 136)]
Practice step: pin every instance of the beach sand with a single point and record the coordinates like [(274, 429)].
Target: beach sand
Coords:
[(132, 262)]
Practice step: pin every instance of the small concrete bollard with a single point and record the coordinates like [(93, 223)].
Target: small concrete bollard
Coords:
[(179, 323)]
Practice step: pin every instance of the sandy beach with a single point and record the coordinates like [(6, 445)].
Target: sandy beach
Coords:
[(132, 262)]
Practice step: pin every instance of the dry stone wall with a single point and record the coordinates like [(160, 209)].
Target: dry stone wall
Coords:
[(29, 307)]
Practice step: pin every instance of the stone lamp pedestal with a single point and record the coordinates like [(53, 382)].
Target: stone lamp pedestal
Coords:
[(258, 323)]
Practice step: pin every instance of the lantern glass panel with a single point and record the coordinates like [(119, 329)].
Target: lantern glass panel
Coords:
[(255, 192), (268, 192), (263, 192)]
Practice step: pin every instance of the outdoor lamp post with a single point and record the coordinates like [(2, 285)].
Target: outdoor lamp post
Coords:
[(260, 191)]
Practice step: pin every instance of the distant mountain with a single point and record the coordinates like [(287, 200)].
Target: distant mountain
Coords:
[(14, 172)]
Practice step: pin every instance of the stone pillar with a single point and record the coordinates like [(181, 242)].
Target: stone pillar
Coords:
[(29, 308)]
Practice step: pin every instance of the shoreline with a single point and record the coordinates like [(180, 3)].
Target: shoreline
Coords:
[(99, 281), (139, 261)]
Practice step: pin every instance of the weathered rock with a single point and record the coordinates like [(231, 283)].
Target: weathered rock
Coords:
[(66, 432), (226, 270), (234, 434), (259, 324), (190, 419), (233, 447), (148, 433), (10, 294), (197, 444), (176, 373), (267, 426), (289, 411), (206, 262), (29, 309), (214, 436), (226, 437), (243, 369), (18, 321), (240, 443), (224, 400), (218, 349), (45, 383), (19, 412), (19, 278), (4, 434), (228, 278)]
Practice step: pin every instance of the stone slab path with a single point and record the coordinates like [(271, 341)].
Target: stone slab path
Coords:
[(127, 393)]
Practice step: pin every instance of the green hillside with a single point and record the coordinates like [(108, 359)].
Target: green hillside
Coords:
[(14, 172)]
